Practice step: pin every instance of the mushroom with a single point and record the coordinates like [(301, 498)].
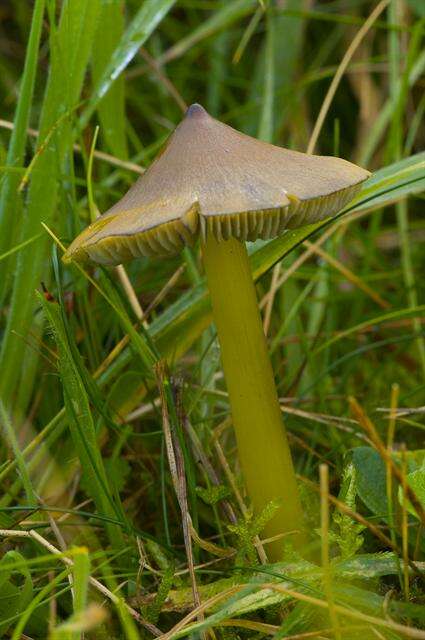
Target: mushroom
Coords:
[(217, 184)]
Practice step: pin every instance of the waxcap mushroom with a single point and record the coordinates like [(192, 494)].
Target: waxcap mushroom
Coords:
[(210, 178), (215, 183)]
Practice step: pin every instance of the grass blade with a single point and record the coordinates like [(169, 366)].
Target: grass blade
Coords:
[(81, 423), (10, 203), (111, 108), (138, 31), (77, 24)]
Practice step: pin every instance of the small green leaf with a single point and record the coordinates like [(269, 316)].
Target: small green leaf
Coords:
[(371, 479), (247, 529), (416, 480), (213, 494), (153, 610), (348, 535)]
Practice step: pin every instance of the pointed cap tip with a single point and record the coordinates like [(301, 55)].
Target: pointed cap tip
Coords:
[(195, 110)]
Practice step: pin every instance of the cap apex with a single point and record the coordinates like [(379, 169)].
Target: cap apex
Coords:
[(195, 109)]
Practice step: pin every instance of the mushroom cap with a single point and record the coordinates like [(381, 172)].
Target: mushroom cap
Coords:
[(210, 178)]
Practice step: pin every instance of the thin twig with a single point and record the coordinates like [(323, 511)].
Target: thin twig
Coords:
[(100, 155), (298, 262), (341, 70), (404, 525), (126, 339), (388, 469), (207, 467), (120, 270), (178, 475), (274, 286), (165, 81), (348, 274), (131, 295), (324, 532)]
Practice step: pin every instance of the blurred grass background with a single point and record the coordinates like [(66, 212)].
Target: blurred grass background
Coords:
[(89, 91)]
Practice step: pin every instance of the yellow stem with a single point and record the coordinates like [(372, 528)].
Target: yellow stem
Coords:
[(257, 419)]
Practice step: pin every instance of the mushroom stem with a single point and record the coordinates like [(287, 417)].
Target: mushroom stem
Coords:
[(262, 442)]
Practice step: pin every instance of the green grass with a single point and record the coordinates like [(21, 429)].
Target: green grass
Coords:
[(92, 543)]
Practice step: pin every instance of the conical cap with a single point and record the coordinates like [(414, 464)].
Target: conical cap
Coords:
[(210, 178)]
